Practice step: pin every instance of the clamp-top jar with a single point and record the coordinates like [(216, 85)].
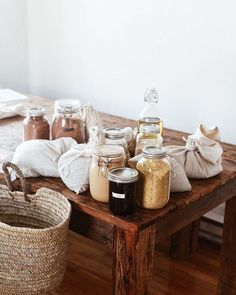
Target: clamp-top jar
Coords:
[(105, 158), (154, 178), (67, 121)]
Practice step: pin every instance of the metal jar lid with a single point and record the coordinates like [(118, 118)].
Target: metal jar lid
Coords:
[(67, 105), (149, 128), (154, 152), (36, 112), (123, 175), (109, 151), (113, 133)]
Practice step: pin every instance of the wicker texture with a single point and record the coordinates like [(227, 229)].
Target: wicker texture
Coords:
[(33, 238)]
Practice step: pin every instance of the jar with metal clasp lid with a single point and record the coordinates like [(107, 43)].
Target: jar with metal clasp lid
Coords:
[(105, 158), (154, 178), (67, 121)]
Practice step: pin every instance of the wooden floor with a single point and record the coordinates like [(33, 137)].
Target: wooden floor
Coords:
[(89, 271)]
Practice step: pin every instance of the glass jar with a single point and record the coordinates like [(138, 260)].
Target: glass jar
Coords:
[(117, 137), (35, 125), (150, 113), (149, 135), (154, 178), (122, 190), (67, 121), (105, 158)]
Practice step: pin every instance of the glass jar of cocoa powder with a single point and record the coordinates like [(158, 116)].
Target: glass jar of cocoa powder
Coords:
[(35, 125), (67, 121)]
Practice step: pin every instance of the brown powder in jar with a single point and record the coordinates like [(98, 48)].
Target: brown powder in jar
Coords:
[(36, 128), (68, 127)]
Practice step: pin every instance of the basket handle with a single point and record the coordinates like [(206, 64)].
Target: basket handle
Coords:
[(19, 174)]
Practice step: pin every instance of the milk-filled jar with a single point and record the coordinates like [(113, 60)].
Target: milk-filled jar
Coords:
[(105, 158)]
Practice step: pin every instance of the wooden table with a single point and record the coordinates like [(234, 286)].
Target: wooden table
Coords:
[(132, 238)]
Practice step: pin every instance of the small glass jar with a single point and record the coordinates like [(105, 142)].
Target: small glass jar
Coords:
[(117, 137), (154, 178), (122, 190), (149, 135), (35, 125), (67, 121), (105, 158)]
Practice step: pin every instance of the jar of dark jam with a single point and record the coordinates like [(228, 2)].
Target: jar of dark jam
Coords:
[(122, 190)]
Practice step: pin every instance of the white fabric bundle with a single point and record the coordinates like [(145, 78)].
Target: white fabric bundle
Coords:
[(179, 181), (201, 156), (74, 165), (40, 157)]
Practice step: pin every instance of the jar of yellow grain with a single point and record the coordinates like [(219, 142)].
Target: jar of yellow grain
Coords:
[(154, 178)]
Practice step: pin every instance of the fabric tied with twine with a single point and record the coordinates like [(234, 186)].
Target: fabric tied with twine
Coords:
[(201, 155)]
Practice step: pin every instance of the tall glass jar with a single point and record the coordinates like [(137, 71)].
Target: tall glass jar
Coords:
[(149, 135), (67, 121), (150, 113), (35, 125), (154, 178), (105, 158)]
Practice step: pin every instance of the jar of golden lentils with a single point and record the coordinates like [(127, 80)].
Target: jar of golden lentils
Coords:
[(154, 178), (105, 158)]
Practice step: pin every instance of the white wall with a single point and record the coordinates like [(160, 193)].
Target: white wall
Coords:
[(107, 52), (13, 44)]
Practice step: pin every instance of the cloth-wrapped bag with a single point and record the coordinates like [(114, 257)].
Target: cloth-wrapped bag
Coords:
[(179, 181), (201, 155)]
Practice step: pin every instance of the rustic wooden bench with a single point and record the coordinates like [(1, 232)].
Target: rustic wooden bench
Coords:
[(132, 238)]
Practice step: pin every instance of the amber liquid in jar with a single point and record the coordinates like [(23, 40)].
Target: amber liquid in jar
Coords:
[(35, 125)]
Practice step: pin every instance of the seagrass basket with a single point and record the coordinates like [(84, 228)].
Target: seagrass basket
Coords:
[(33, 238)]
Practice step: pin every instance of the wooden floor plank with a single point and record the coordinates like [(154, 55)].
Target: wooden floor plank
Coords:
[(89, 271)]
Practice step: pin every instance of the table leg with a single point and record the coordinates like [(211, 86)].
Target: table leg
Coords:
[(227, 278), (133, 261), (185, 241)]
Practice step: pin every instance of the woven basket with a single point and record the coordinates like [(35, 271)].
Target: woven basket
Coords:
[(33, 238)]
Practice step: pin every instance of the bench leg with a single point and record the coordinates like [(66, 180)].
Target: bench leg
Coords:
[(227, 277), (185, 241), (133, 261)]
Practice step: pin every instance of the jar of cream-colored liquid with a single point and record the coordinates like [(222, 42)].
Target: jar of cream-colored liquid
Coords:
[(105, 158)]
